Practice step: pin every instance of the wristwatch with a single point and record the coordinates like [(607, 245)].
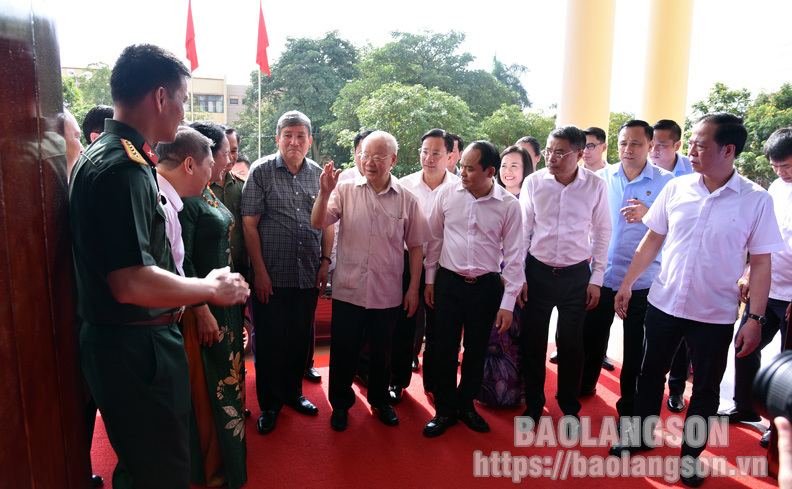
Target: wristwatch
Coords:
[(324, 257), (759, 319)]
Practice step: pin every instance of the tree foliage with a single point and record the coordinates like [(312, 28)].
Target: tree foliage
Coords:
[(615, 121), (509, 123), (428, 59), (307, 77), (407, 112), (762, 116), (510, 77)]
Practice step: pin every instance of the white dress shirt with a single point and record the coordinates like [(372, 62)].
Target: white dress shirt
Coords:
[(415, 183), (781, 274), (373, 229), (173, 205), (565, 225), (468, 235), (707, 238)]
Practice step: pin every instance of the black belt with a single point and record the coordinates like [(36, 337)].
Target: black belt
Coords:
[(559, 270), (472, 280), (169, 318)]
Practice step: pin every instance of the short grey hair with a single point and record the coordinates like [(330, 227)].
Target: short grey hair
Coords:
[(293, 118), (390, 141)]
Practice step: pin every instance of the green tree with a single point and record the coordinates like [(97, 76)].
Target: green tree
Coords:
[(428, 59), (510, 77), (509, 123), (307, 77), (407, 112), (615, 121), (722, 99), (95, 84)]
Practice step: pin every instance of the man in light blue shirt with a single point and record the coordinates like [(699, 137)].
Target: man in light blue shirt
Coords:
[(632, 185), (667, 141)]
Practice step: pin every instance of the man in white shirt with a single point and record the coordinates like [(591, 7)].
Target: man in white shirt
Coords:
[(424, 184), (377, 217), (596, 149), (471, 222), (184, 169), (708, 222), (565, 222), (778, 150), (666, 142)]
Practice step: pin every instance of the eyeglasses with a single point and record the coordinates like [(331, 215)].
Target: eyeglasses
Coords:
[(377, 158), (591, 146), (433, 154), (555, 154)]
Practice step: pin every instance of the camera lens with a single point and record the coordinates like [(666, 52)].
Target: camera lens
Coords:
[(772, 388)]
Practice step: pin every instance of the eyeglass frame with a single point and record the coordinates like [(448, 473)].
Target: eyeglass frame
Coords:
[(548, 154), (377, 158)]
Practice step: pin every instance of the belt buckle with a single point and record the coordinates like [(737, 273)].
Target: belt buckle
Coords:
[(557, 271), (177, 316), (470, 280)]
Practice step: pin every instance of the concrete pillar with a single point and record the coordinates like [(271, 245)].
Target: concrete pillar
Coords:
[(588, 61), (667, 61)]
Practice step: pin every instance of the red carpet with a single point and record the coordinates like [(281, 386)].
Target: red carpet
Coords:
[(304, 452)]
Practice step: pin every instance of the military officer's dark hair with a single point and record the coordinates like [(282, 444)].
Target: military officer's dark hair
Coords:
[(213, 131), (142, 68), (188, 142), (94, 120)]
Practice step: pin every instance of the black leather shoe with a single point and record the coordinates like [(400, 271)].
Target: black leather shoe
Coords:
[(736, 416), (618, 449), (304, 406), (438, 425), (339, 420), (676, 403), (312, 375), (694, 480), (765, 441), (554, 357), (266, 422), (415, 365), (396, 393), (533, 414), (362, 379), (97, 481), (473, 420), (386, 414), (607, 364)]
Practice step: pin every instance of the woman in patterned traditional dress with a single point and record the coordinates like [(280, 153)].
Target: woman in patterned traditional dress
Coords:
[(213, 338)]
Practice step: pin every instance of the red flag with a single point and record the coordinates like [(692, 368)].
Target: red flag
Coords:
[(263, 43), (192, 54)]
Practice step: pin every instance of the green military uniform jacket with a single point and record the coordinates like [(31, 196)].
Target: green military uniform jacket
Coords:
[(231, 197), (117, 221)]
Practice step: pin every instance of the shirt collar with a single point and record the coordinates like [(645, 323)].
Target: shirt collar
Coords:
[(492, 194), (647, 172), (125, 131), (170, 193), (361, 180)]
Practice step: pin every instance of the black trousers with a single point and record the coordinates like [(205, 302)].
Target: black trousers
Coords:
[(596, 332), (473, 306), (680, 370), (746, 368), (564, 289), (347, 327), (283, 340), (708, 345), (404, 334), (139, 377)]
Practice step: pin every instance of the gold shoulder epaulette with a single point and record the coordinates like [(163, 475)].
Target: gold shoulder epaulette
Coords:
[(237, 175), (133, 153)]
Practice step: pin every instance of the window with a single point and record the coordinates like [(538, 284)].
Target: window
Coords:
[(233, 100), (206, 103)]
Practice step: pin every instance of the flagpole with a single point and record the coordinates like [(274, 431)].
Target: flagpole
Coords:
[(259, 114)]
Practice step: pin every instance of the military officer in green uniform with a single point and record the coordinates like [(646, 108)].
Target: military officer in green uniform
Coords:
[(129, 297), (228, 190)]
